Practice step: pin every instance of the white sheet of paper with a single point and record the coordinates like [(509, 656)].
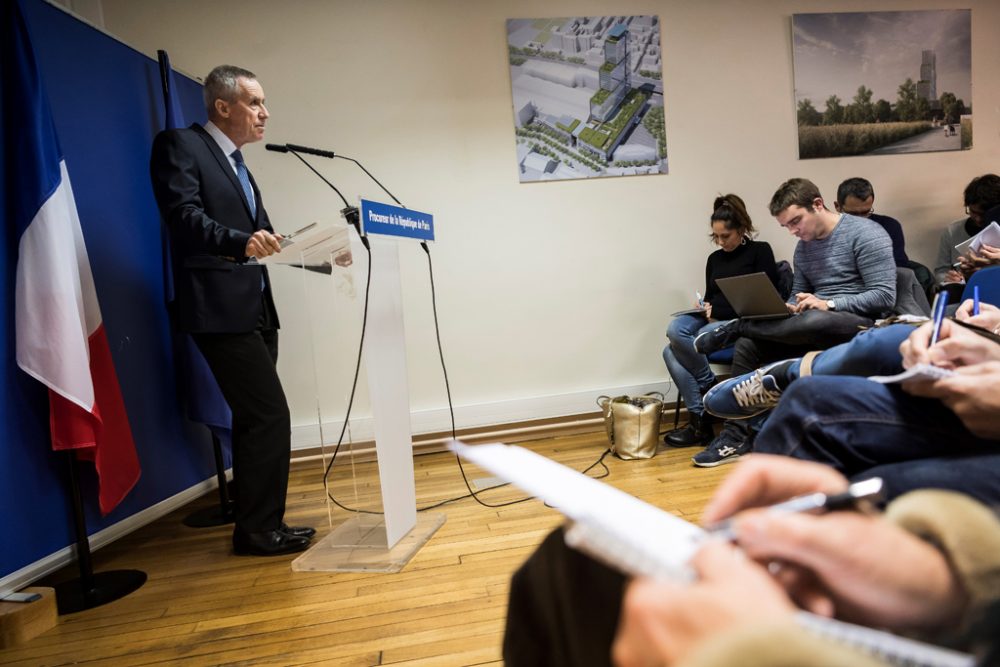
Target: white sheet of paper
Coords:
[(918, 372), (611, 525)]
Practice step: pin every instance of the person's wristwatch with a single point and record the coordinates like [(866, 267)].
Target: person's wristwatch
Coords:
[(831, 305)]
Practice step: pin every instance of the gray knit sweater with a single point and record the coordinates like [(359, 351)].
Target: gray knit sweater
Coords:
[(853, 266)]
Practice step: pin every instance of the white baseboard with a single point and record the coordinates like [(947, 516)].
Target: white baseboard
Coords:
[(306, 436), (30, 573)]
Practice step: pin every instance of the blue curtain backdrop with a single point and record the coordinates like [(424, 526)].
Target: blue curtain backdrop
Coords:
[(107, 106)]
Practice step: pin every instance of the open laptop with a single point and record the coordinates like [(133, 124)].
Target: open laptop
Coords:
[(753, 296)]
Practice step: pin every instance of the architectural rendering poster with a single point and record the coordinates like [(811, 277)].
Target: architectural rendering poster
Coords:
[(876, 83), (588, 96)]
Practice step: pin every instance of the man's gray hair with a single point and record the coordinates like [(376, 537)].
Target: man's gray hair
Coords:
[(221, 84)]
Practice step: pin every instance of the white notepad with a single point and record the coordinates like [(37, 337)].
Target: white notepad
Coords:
[(918, 372), (640, 539), (990, 235)]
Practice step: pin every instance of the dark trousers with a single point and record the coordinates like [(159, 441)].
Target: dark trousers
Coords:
[(771, 340), (563, 609), (244, 367)]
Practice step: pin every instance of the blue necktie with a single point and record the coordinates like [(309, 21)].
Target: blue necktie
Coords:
[(244, 176)]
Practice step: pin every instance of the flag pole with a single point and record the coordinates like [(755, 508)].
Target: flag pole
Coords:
[(223, 513), (90, 590), (208, 517)]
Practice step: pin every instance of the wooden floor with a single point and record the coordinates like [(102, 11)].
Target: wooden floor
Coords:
[(204, 606)]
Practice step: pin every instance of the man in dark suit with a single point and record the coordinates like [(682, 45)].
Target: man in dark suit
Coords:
[(217, 224)]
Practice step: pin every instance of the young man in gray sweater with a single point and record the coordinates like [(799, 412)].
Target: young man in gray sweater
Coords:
[(845, 278)]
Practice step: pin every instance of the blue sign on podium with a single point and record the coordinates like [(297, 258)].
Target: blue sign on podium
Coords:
[(388, 220)]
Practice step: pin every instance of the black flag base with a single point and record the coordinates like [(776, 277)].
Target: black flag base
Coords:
[(90, 590), (103, 587)]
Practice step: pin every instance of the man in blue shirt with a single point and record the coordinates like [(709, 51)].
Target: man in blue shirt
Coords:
[(856, 197)]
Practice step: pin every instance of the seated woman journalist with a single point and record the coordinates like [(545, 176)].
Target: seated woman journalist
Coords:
[(738, 254)]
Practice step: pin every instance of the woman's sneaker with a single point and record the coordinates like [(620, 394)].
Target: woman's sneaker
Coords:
[(730, 445)]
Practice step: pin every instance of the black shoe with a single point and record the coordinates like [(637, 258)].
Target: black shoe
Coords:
[(297, 531), (716, 339), (697, 432), (267, 543), (729, 446)]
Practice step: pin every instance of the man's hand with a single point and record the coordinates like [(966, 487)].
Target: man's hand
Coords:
[(988, 317), (973, 394), (263, 243), (956, 346), (857, 567), (805, 301), (663, 621), (765, 479), (953, 276), (843, 562)]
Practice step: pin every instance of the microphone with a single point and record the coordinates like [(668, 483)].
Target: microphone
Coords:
[(277, 148), (309, 151)]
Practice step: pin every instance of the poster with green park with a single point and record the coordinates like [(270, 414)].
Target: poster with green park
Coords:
[(877, 83)]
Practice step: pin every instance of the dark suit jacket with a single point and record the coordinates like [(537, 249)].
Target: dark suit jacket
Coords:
[(209, 221)]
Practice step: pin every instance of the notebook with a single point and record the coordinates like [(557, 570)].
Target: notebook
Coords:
[(918, 372), (753, 296), (640, 539), (990, 235)]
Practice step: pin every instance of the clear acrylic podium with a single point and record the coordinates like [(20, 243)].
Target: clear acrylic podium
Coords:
[(385, 530)]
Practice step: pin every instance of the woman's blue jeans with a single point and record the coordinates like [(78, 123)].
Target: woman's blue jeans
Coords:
[(690, 370)]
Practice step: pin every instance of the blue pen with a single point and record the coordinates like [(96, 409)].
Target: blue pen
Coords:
[(701, 301), (975, 300), (940, 303)]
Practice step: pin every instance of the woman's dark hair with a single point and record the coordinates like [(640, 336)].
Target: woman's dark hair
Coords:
[(732, 212)]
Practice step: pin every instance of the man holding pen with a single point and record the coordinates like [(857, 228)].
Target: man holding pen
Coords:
[(928, 567)]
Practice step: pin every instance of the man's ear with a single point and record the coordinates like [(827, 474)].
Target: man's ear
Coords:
[(222, 108), (836, 205)]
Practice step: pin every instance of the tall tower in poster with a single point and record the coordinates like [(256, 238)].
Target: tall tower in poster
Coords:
[(615, 81), (927, 86)]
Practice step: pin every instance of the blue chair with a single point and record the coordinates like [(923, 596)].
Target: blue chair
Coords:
[(988, 281)]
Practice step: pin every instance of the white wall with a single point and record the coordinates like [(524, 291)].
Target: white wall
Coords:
[(549, 293)]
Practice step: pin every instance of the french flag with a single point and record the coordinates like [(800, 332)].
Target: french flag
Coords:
[(61, 340)]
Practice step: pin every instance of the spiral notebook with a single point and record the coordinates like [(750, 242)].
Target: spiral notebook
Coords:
[(640, 539)]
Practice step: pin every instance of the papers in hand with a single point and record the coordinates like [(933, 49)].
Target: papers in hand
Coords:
[(312, 247), (918, 372), (620, 530), (989, 236)]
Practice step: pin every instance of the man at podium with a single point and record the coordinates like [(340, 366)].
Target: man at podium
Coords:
[(217, 222)]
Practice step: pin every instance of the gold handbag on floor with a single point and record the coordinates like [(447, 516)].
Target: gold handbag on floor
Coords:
[(633, 424)]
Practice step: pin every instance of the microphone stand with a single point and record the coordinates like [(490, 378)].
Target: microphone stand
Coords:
[(349, 212)]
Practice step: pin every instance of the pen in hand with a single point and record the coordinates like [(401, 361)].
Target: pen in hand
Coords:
[(975, 300), (699, 299), (940, 304), (869, 490)]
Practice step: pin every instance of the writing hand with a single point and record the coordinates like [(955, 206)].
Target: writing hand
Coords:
[(760, 480), (860, 568)]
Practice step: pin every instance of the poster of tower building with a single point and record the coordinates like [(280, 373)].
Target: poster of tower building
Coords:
[(588, 97), (876, 83)]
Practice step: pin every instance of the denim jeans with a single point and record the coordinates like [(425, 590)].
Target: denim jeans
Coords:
[(871, 352), (689, 369), (863, 428)]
